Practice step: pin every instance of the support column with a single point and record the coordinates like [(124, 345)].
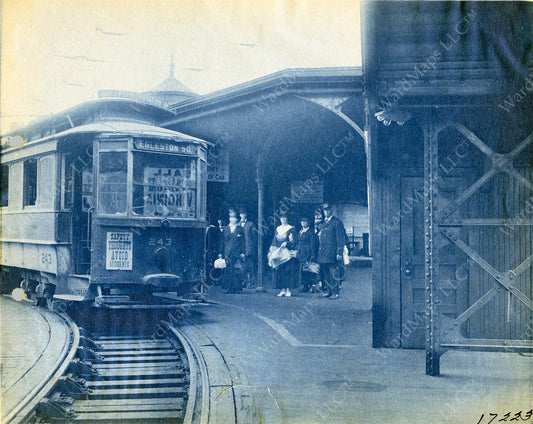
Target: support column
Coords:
[(433, 350), (259, 168)]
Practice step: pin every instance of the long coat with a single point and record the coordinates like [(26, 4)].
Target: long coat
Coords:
[(307, 246), (231, 247), (232, 244), (214, 235), (331, 240), (250, 239)]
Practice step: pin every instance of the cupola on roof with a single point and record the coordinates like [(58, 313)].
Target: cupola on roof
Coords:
[(171, 84), (167, 93)]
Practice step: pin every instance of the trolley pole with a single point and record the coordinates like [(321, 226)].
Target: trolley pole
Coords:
[(259, 167)]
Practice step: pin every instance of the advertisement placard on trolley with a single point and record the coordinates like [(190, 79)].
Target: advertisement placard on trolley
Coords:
[(119, 250)]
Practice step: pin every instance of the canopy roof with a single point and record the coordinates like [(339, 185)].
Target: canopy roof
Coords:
[(292, 120)]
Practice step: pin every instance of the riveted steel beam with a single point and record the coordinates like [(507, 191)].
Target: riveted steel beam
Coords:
[(491, 345), (517, 221), (433, 349)]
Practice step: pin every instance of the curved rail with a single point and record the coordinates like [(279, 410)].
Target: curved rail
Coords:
[(198, 372), (24, 409), (197, 407)]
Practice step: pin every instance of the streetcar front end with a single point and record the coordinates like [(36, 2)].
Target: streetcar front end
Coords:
[(146, 220)]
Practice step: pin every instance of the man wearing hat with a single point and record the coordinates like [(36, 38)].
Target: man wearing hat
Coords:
[(232, 249), (250, 248), (331, 242)]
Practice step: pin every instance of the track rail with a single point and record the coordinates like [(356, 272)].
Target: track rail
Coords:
[(198, 403), (129, 378), (24, 410)]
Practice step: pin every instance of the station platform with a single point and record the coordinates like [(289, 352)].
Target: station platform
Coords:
[(34, 344), (307, 359)]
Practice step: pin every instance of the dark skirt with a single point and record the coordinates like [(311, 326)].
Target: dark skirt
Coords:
[(287, 275)]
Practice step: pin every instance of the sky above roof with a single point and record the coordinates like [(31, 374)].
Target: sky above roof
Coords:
[(58, 53)]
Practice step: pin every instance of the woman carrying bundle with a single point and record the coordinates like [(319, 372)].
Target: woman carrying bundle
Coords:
[(282, 257)]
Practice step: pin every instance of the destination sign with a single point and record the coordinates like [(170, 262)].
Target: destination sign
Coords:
[(164, 147)]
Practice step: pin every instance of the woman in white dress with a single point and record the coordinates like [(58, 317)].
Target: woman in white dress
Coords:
[(286, 274)]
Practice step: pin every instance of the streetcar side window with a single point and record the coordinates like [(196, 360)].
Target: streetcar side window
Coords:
[(30, 182), (202, 172), (67, 185), (77, 168), (4, 186), (112, 183), (86, 190), (46, 181)]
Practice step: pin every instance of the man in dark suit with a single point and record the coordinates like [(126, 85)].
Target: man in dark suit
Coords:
[(214, 236), (250, 249), (331, 242), (232, 249)]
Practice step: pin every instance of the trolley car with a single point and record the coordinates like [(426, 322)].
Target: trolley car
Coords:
[(101, 205)]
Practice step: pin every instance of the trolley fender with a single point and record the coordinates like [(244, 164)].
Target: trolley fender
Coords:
[(162, 280)]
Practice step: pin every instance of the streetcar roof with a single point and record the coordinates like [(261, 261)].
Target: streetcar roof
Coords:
[(121, 128), (132, 129)]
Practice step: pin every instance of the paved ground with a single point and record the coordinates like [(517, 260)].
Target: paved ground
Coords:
[(302, 360), (310, 360), (33, 342)]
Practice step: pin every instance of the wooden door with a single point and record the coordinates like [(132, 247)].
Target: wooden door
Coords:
[(82, 208)]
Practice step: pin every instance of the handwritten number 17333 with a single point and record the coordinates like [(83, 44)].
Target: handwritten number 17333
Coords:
[(509, 416)]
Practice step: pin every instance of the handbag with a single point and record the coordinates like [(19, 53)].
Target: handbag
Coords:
[(345, 256), (220, 263), (311, 267), (239, 264)]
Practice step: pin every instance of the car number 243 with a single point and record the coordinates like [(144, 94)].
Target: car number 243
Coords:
[(46, 258), (153, 241)]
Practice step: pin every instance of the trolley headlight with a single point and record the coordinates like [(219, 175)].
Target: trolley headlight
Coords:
[(18, 294), (161, 258)]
